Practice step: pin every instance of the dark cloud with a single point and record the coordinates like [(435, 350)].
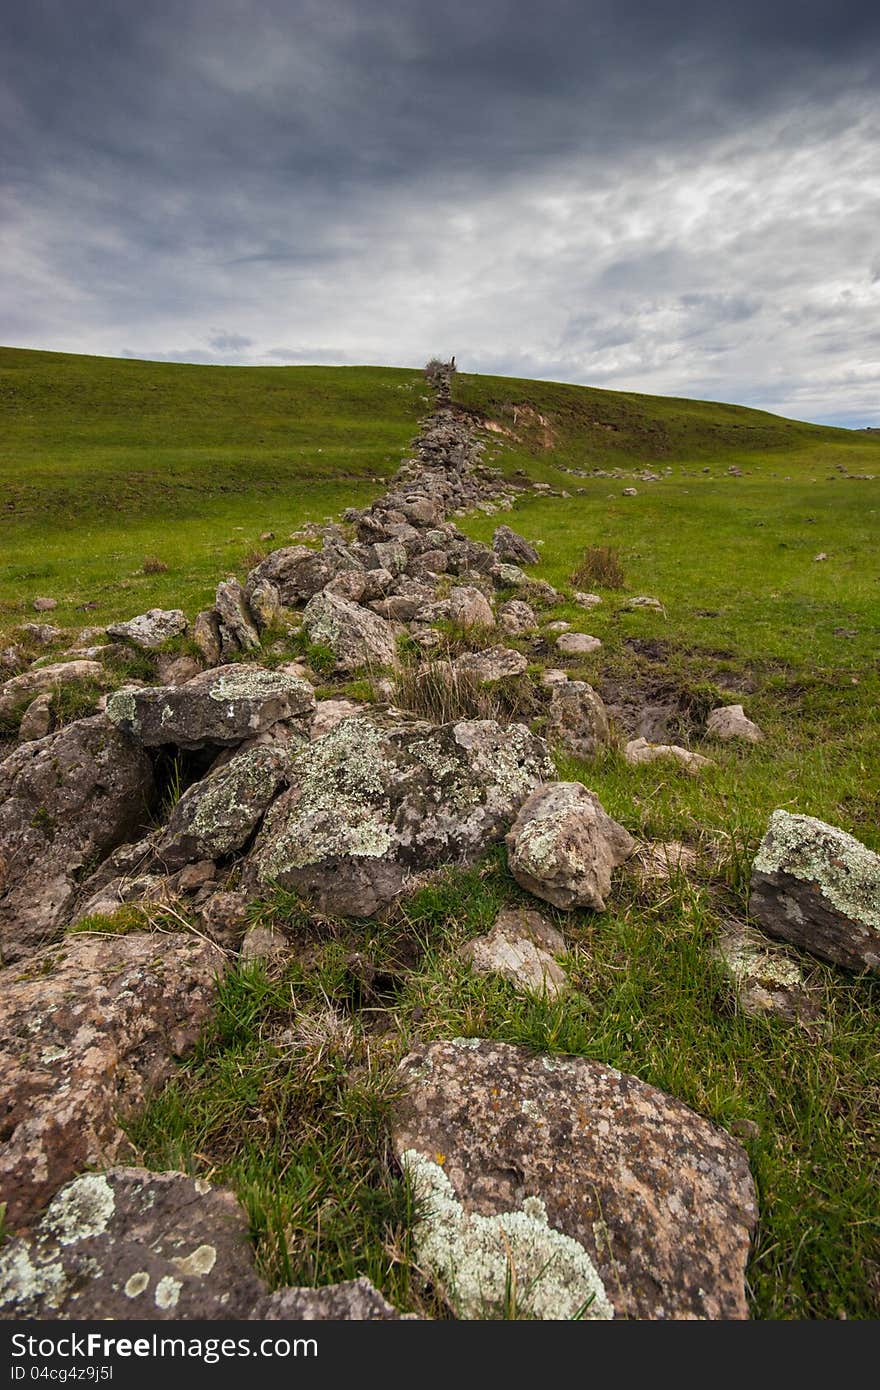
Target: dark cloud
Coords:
[(616, 189)]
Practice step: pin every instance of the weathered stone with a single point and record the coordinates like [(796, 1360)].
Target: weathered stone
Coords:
[(513, 548), (468, 607), (428, 564), (23, 688), (206, 635), (577, 719), (765, 978), (238, 628), (643, 601), (553, 676), (494, 664), (651, 1198), (263, 942), (369, 805), (65, 802), (422, 511), (639, 751), (559, 625), (36, 722), (563, 847), (512, 577), (218, 814), (264, 602), (177, 670), (354, 635), (93, 1024), (630, 492), (388, 555), (150, 630), (730, 722), (516, 617), (587, 601), (45, 634), (44, 605), (223, 706), (138, 889), (577, 643), (819, 888), (329, 713), (225, 915), (521, 947), (357, 1299), (297, 573)]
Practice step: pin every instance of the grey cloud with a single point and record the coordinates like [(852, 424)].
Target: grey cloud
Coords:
[(229, 342)]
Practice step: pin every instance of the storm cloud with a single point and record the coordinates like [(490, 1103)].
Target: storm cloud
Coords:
[(673, 197)]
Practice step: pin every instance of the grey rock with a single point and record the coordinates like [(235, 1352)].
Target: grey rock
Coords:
[(577, 719), (264, 602), (493, 664), (587, 601), (639, 751), (819, 888), (94, 1025), (329, 713), (468, 607), (586, 1172), (764, 976), (370, 805), (206, 635), (36, 722), (218, 814), (517, 618), (354, 635), (150, 630), (578, 644), (44, 605), (223, 707), (357, 1299), (513, 548), (23, 688), (730, 722), (237, 624), (66, 801), (563, 847), (521, 947)]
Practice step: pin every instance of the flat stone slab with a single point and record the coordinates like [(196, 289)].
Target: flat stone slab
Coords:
[(819, 888), (521, 947), (150, 630), (220, 707), (660, 1201)]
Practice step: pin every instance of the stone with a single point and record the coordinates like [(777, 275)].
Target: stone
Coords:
[(264, 942), (639, 751), (422, 511), (225, 915), (218, 814), (512, 548), (264, 602), (66, 801), (36, 722), (368, 806), (298, 573), (468, 607), (44, 605), (764, 976), (577, 719), (150, 630), (577, 643), (93, 1025), (562, 846), (356, 637), (206, 635), (730, 722), (818, 888), (493, 664), (521, 947), (220, 707), (138, 890), (510, 577), (630, 492), (45, 634), (329, 713), (131, 1244), (237, 625), (587, 601), (559, 625), (176, 670), (21, 690), (552, 676), (517, 618), (659, 1202), (643, 601)]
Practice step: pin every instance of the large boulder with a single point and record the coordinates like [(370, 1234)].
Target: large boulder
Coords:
[(513, 548), (21, 690), (577, 719), (150, 630), (66, 801), (354, 635), (369, 805), (129, 1243), (298, 573), (598, 1189), (563, 847), (92, 1025), (218, 814), (220, 707), (819, 888)]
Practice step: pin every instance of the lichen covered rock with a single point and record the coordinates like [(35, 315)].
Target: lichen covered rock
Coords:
[(368, 805), (819, 888), (656, 1204), (221, 707), (563, 847), (66, 801), (150, 630), (354, 635), (218, 814), (577, 719), (92, 1025)]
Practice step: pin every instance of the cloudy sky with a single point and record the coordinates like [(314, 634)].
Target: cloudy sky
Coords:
[(672, 196)]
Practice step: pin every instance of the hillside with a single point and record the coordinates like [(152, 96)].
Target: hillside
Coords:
[(250, 909)]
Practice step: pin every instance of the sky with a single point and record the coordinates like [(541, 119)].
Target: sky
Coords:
[(675, 197)]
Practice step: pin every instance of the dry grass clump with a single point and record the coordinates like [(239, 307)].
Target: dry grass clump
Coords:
[(153, 565), (599, 564)]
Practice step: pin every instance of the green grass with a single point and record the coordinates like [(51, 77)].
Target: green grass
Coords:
[(107, 463)]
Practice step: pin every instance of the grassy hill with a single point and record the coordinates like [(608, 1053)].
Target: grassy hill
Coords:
[(105, 463)]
